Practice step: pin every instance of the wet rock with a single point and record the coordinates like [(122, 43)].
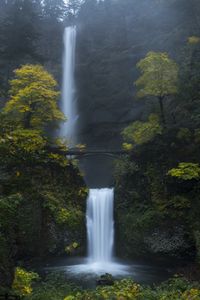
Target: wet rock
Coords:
[(106, 279)]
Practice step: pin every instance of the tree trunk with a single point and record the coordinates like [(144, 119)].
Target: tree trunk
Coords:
[(162, 110)]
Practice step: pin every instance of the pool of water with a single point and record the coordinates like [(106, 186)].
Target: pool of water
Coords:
[(85, 273)]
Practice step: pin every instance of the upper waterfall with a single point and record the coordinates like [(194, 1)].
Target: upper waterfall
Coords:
[(68, 105)]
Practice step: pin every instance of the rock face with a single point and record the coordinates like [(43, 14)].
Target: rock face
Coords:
[(158, 242), (173, 241), (106, 61), (152, 212), (109, 46), (63, 241)]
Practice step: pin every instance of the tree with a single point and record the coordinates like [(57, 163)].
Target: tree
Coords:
[(73, 7), (51, 42), (159, 78), (54, 9), (142, 132), (33, 102), (18, 30), (19, 36)]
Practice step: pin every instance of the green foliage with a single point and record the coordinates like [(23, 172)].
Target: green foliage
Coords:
[(124, 166), (124, 289), (127, 146), (174, 289), (142, 132), (23, 140), (174, 207), (73, 218), (32, 175), (184, 134), (71, 248), (8, 208), (19, 34), (193, 40), (40, 189), (9, 219), (54, 287), (23, 280), (63, 216), (33, 102), (149, 201), (179, 202), (26, 116), (159, 75), (159, 78), (186, 171), (66, 213)]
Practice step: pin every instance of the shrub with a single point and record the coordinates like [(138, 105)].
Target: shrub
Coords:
[(186, 171), (22, 283)]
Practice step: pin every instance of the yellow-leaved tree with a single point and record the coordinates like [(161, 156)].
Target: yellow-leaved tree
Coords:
[(159, 78), (31, 109), (33, 101)]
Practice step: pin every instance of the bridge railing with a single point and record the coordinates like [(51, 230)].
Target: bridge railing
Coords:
[(85, 151), (95, 152)]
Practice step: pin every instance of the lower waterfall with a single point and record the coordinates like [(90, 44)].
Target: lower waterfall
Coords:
[(100, 225), (100, 236)]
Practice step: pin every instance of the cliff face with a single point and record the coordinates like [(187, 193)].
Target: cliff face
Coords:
[(110, 43), (112, 37)]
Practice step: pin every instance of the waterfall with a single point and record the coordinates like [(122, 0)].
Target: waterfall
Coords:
[(100, 234), (100, 202), (100, 225), (67, 129)]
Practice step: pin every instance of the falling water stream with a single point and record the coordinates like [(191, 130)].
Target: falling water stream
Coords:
[(100, 225), (68, 104), (99, 215), (100, 236)]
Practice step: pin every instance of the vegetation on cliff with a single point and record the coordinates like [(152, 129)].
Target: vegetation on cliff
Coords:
[(161, 183), (42, 198)]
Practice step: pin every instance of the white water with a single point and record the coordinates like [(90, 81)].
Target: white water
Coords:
[(100, 234), (100, 225), (68, 106)]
